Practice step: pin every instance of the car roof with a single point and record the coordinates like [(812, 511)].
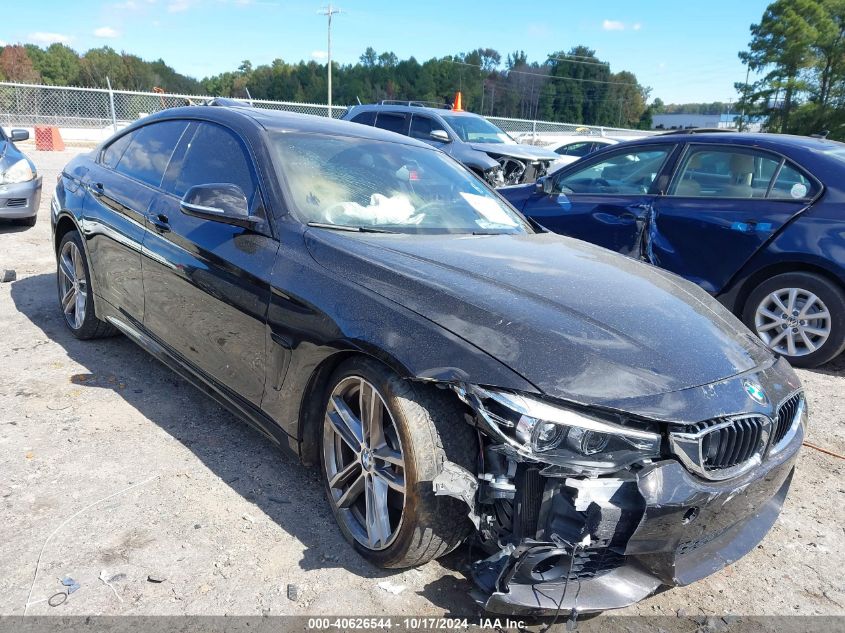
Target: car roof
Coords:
[(759, 139), (396, 107), (282, 121)]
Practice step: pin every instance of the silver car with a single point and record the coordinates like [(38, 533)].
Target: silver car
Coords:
[(20, 184)]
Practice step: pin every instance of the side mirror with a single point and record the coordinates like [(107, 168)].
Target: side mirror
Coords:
[(543, 185), (18, 135), (219, 202), (440, 135)]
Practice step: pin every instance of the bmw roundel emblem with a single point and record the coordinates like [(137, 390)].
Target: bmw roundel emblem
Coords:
[(755, 392)]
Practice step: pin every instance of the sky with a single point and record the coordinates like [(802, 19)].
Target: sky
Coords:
[(685, 51)]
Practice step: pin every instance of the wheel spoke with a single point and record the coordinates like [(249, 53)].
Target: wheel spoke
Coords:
[(811, 301), (79, 309), (776, 300), (777, 339), (346, 424), (377, 517), (768, 326), (66, 266), (771, 315), (346, 474), (793, 293), (387, 454), (816, 331), (77, 262), (371, 415), (809, 344), (69, 300), (352, 493), (790, 343), (392, 479)]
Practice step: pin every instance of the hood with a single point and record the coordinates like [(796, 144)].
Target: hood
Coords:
[(516, 150), (577, 321), (9, 154)]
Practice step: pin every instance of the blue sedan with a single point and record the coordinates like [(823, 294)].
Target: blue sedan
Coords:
[(757, 220)]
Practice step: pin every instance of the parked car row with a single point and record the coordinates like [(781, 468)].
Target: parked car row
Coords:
[(600, 427)]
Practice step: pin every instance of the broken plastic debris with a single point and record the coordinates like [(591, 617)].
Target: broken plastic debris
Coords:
[(391, 588), (71, 584), (293, 592), (155, 578), (8, 275)]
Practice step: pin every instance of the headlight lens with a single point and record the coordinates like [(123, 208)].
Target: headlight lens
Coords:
[(20, 171), (566, 437)]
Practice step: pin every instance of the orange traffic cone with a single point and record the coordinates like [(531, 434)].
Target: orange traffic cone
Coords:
[(458, 105)]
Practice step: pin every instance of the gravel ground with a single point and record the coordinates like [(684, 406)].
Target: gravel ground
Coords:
[(117, 473)]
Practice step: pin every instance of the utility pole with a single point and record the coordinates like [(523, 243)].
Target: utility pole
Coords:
[(329, 11)]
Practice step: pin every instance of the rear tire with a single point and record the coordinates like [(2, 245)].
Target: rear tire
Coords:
[(422, 427), (800, 316), (76, 298)]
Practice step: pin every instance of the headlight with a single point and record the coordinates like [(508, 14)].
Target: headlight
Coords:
[(566, 437), (20, 171)]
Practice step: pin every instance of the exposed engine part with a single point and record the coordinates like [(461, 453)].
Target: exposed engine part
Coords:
[(513, 169), (494, 176)]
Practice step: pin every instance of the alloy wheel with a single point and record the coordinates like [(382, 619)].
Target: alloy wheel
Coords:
[(73, 285), (364, 462), (793, 321)]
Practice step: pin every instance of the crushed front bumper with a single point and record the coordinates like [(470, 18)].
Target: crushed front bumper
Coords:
[(661, 527), (20, 200)]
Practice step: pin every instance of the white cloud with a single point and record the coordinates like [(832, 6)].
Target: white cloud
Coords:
[(44, 37), (319, 55), (637, 26), (178, 6), (613, 25), (2, 42), (106, 31)]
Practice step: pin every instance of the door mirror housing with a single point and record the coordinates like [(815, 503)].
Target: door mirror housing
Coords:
[(18, 135), (440, 135), (219, 202), (544, 185)]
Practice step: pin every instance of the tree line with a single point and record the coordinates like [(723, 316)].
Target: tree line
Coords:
[(796, 68), (573, 86)]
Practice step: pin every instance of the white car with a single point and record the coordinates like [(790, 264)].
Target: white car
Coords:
[(571, 148)]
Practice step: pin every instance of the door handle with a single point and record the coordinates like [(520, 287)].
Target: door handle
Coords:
[(98, 189), (160, 222)]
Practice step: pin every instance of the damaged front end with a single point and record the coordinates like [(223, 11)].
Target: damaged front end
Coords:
[(584, 510)]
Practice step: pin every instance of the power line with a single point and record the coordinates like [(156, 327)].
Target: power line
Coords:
[(522, 72)]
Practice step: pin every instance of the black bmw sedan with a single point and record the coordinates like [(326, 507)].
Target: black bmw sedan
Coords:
[(456, 372)]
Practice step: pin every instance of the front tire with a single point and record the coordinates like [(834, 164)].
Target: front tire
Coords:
[(800, 316), (383, 441), (76, 299)]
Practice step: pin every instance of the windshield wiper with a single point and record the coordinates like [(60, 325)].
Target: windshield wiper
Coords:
[(354, 229)]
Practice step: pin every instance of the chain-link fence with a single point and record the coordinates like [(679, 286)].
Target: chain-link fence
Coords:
[(92, 114)]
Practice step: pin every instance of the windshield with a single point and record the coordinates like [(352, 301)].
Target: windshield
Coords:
[(376, 185), (474, 129)]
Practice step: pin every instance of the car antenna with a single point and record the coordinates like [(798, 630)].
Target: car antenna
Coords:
[(358, 99), (822, 134)]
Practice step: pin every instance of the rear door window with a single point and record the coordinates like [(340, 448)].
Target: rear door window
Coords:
[(393, 122), (723, 172), (791, 184), (365, 118), (150, 150)]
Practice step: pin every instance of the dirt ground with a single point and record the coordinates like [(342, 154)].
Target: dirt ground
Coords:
[(120, 475)]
